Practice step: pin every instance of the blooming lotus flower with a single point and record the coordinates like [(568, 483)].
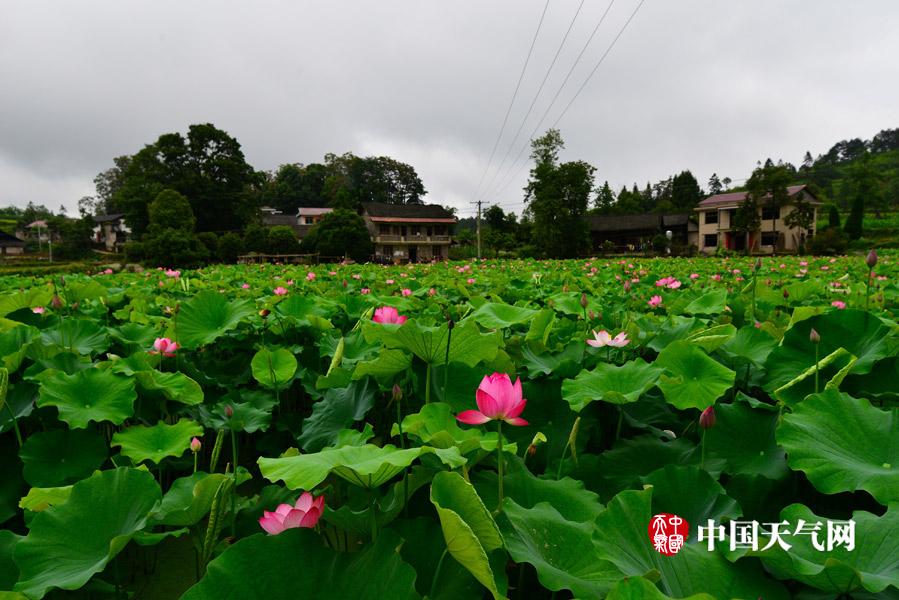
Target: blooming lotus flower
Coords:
[(388, 314), (280, 291), (38, 310), (310, 276), (364, 291), (839, 304), (304, 513), (164, 346), (406, 292), (655, 301), (172, 273), (433, 291), (470, 280), (245, 286), (602, 338), (498, 399), (389, 282), (107, 272)]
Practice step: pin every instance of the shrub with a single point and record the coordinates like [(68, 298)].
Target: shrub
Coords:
[(174, 248), (255, 238), (853, 226), (829, 241), (210, 241), (230, 246), (341, 233), (282, 240)]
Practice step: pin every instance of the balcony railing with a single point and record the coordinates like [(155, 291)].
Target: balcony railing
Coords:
[(412, 239)]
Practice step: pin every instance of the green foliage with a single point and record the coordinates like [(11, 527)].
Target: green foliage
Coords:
[(230, 246), (282, 239), (255, 238), (853, 227), (341, 233), (171, 210), (833, 217), (828, 242)]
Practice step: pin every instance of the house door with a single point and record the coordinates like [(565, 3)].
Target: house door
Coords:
[(739, 241), (413, 253)]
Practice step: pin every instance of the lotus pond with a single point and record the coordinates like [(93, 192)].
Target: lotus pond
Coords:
[(502, 429)]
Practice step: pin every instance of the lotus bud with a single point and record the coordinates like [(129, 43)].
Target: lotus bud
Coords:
[(670, 434), (450, 323), (814, 337), (591, 314), (627, 286), (565, 288), (583, 300), (264, 313), (871, 259), (195, 445), (758, 264), (707, 418), (397, 393), (56, 302), (344, 283), (786, 294), (229, 411)]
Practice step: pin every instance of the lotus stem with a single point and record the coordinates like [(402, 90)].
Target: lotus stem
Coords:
[(702, 453), (449, 337), (15, 425), (499, 461), (216, 450), (234, 490), (428, 385), (437, 573), (817, 351)]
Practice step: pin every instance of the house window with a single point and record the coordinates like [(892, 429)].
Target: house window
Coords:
[(769, 213), (711, 217), (388, 250), (710, 240), (769, 238)]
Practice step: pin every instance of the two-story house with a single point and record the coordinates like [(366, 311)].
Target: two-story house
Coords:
[(111, 231), (408, 232), (716, 215)]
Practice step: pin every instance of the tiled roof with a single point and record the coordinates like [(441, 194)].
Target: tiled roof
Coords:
[(644, 221), (312, 211), (9, 240), (737, 197), (406, 211)]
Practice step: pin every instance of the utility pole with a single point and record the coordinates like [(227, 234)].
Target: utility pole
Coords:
[(479, 202)]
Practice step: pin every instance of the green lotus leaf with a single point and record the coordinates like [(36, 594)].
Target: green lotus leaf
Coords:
[(871, 565), (388, 364), (102, 514), (862, 335), (9, 572), (744, 438), (40, 499), (468, 528), (621, 538), (61, 456), (77, 335), (175, 386), (208, 316), (189, 499), (695, 380), (714, 337), (274, 370), (467, 344), (493, 315), (541, 326), (829, 374), (709, 303), (562, 551), (611, 383), (879, 383), (31, 297), (538, 359), (750, 344), (89, 395), (436, 426), (640, 588), (691, 493), (377, 571), (368, 466), (140, 443), (14, 344), (844, 444), (339, 409), (134, 336)]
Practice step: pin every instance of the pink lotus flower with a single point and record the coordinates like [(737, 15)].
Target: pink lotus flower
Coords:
[(164, 346), (310, 276), (470, 280), (694, 275), (433, 291), (365, 291), (304, 513), (172, 273), (38, 310), (655, 301), (498, 400), (107, 272), (839, 304), (280, 291), (406, 292), (245, 286), (195, 444), (389, 282), (356, 276), (602, 339), (716, 277), (388, 314)]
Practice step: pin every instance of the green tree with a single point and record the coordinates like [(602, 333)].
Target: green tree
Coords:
[(746, 219), (351, 180), (341, 233), (108, 183), (255, 238), (833, 217), (715, 184), (207, 167), (295, 185), (605, 199), (802, 217), (171, 210), (856, 217), (75, 235), (230, 247), (558, 196), (282, 240), (768, 188), (685, 192), (170, 240)]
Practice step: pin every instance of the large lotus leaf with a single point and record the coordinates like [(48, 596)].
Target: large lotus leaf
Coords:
[(339, 409), (140, 443), (750, 344), (562, 551), (640, 588), (89, 395), (829, 374), (386, 365), (744, 438), (175, 386), (861, 333), (77, 335), (40, 499), (9, 572), (568, 496), (264, 567), (274, 370), (570, 303), (493, 315), (102, 514), (712, 338), (421, 550), (672, 329), (368, 466), (189, 499), (611, 383), (467, 344), (208, 316), (28, 298), (541, 326), (468, 528), (61, 456), (872, 565), (538, 359), (134, 336), (435, 425), (14, 344), (879, 383), (709, 303), (621, 538), (844, 444), (691, 493), (695, 380)]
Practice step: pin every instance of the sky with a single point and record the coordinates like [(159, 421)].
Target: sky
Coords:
[(705, 85)]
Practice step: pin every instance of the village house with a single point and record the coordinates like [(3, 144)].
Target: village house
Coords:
[(716, 214), (301, 223), (111, 232), (10, 245), (408, 232), (629, 233)]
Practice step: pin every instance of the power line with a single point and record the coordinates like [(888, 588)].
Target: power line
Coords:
[(516, 170), (502, 128), (537, 95)]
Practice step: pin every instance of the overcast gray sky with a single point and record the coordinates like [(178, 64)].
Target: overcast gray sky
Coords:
[(706, 85)]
